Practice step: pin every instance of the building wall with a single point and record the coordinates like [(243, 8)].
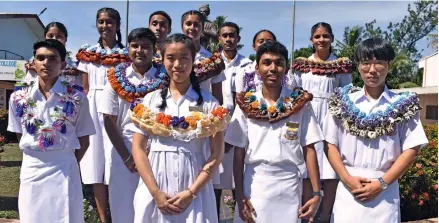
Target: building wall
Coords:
[(430, 65), (427, 99), (17, 37)]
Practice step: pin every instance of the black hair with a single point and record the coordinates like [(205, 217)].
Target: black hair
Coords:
[(231, 24), (327, 27), (52, 44), (374, 47), (274, 48), (162, 13), (193, 12), (189, 44), (261, 31), (139, 33), (114, 14), (57, 25)]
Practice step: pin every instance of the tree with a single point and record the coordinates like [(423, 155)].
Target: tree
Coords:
[(252, 57), (218, 22), (432, 41), (303, 52)]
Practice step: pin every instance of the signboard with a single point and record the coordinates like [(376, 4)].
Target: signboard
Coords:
[(12, 70), (3, 100)]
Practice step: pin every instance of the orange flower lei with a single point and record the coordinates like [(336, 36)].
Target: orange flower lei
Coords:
[(95, 54), (326, 68)]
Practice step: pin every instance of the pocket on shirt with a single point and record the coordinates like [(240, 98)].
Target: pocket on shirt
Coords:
[(290, 133)]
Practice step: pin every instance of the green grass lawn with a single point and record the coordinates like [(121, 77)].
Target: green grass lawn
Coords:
[(10, 162)]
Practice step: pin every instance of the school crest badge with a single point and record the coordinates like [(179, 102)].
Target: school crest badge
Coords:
[(292, 132)]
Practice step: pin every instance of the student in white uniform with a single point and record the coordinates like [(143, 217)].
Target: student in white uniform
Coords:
[(373, 136), (176, 178), (53, 125), (115, 103), (321, 82), (56, 30), (274, 130), (94, 61), (229, 39), (161, 24), (192, 23)]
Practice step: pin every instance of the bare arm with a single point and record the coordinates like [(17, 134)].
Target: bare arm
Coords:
[(84, 141), (115, 136), (238, 171), (85, 84), (217, 155), (142, 163), (401, 165), (217, 92), (312, 166)]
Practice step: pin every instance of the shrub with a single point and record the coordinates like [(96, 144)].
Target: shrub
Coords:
[(419, 185)]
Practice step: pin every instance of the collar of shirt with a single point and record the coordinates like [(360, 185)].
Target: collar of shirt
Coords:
[(191, 93), (58, 87), (360, 96), (285, 92), (148, 75), (231, 63), (330, 58)]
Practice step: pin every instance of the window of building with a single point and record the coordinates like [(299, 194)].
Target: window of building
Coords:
[(431, 112)]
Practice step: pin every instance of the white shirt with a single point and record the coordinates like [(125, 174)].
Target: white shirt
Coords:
[(97, 73), (110, 103), (232, 69), (207, 84), (82, 124), (176, 108), (266, 142), (379, 153)]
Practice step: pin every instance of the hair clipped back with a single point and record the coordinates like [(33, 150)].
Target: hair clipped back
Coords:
[(57, 25), (114, 14), (374, 48), (273, 48), (189, 44), (52, 44), (193, 12), (261, 31)]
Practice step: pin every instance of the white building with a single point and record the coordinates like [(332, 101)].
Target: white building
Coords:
[(18, 34)]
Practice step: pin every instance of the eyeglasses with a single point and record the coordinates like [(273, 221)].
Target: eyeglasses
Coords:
[(379, 65)]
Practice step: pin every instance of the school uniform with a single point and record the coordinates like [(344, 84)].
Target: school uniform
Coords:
[(122, 183), (371, 158), (273, 161), (321, 87), (175, 165), (50, 185), (93, 163)]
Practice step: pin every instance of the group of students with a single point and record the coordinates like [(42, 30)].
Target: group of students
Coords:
[(299, 137)]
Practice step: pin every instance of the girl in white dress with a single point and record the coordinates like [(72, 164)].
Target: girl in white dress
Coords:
[(127, 84), (320, 74), (94, 61), (274, 130), (373, 137), (176, 185), (53, 124), (56, 30)]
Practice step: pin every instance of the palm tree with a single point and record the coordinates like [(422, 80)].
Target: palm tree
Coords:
[(351, 38), (218, 22)]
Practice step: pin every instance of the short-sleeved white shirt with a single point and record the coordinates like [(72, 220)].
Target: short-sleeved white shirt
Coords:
[(176, 108), (110, 103), (207, 84), (97, 73), (81, 123), (379, 153), (266, 142)]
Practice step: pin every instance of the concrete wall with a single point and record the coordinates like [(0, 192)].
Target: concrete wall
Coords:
[(431, 71)]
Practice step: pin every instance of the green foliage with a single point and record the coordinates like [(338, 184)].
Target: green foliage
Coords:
[(303, 52), (252, 57), (407, 85), (419, 185), (218, 22)]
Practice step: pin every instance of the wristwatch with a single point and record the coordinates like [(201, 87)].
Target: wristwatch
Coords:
[(383, 184), (318, 193)]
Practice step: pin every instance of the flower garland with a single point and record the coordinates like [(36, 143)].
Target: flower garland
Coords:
[(209, 67), (129, 91), (185, 128), (375, 124), (26, 108), (283, 108), (157, 58), (326, 68), (95, 54)]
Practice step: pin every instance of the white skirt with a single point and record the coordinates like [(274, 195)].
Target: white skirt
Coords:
[(274, 191), (383, 209), (175, 172), (50, 188), (93, 162)]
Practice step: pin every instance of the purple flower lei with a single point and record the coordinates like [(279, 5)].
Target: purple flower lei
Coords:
[(374, 124)]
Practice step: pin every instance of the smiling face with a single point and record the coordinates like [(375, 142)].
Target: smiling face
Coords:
[(271, 67), (192, 27), (321, 39), (107, 27), (141, 51), (55, 33), (178, 62), (262, 38)]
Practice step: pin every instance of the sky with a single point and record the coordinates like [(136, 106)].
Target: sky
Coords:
[(79, 17)]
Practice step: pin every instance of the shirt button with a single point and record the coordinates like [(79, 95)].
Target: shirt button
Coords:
[(175, 157), (175, 174)]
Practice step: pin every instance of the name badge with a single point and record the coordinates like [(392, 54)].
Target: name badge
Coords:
[(195, 109)]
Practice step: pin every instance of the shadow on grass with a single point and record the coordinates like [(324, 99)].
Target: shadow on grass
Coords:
[(10, 163), (8, 203)]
